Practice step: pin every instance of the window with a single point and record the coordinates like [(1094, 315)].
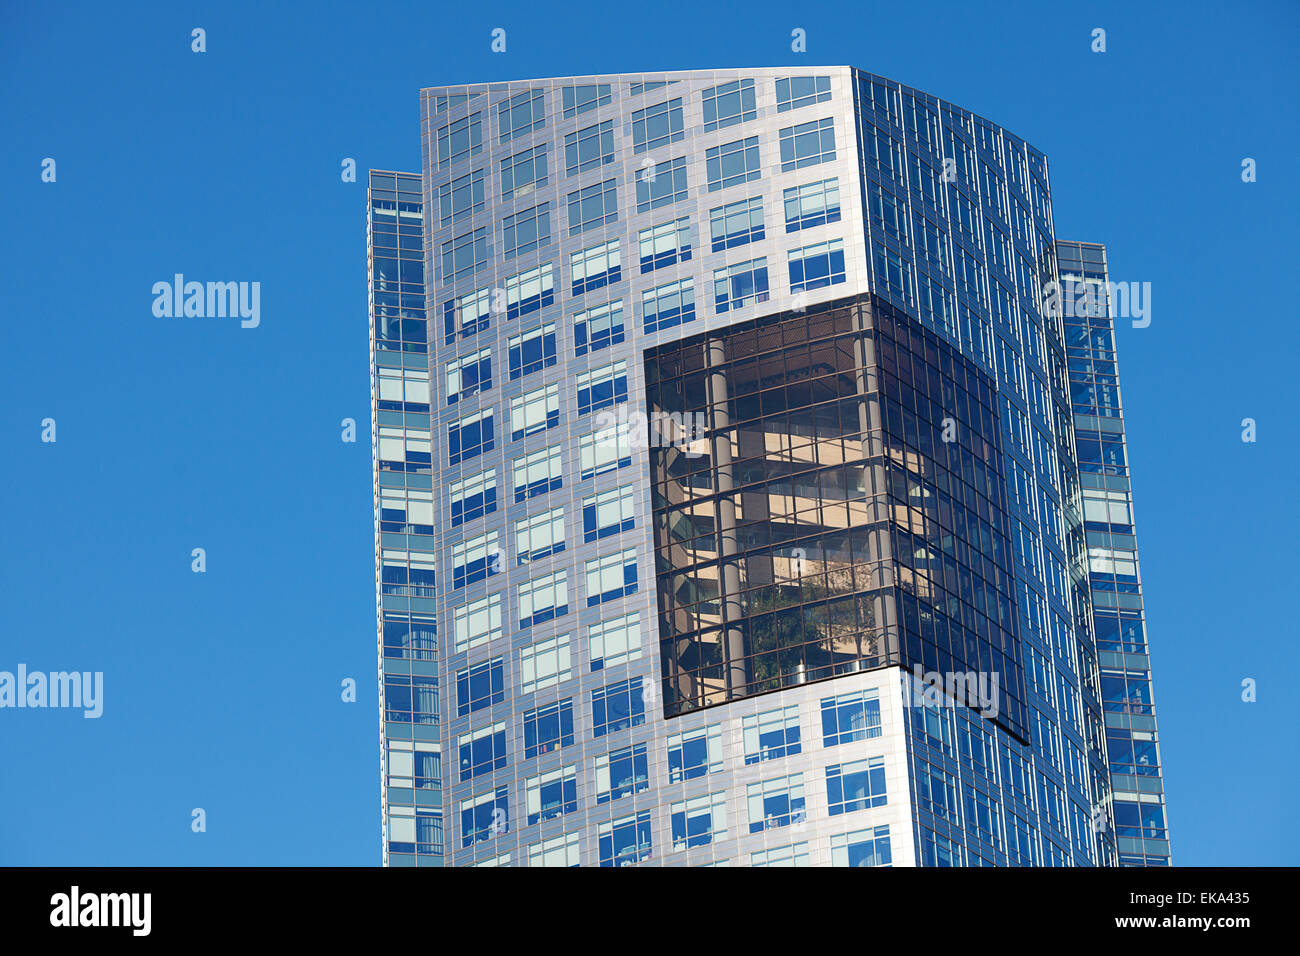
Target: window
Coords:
[(532, 351), (815, 266), (636, 89), (593, 206), (617, 707), (520, 114), (428, 766), (469, 437), (771, 734), (562, 850), (548, 728), (523, 173), (534, 411), (406, 510), (602, 387), (595, 267), (736, 223), (794, 855), (604, 450), (728, 104), (544, 664), (625, 841), (699, 821), (796, 91), (410, 699), (869, 847), (473, 497), (621, 773), (732, 163), (475, 559), (404, 389), (477, 622), (538, 536), (609, 512), (611, 577), (469, 375), (551, 794), (614, 642), (598, 328), (579, 99), (742, 284), (890, 216), (484, 817), (893, 274), (668, 305), (538, 473), (856, 785), (467, 315), (544, 598), (694, 753), (526, 231), (405, 450), (480, 686), (774, 803), (482, 751), (936, 792), (1106, 508), (408, 573), (529, 291), (665, 244), (657, 126), (444, 103), (460, 139), (812, 204), (983, 820), (661, 185), (850, 717), (464, 255), (589, 148), (807, 144), (460, 198)]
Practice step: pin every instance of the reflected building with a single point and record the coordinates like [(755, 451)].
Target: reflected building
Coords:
[(727, 501)]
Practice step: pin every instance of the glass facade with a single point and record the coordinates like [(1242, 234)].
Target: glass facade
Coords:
[(821, 524), (401, 391), (794, 570), (1132, 741)]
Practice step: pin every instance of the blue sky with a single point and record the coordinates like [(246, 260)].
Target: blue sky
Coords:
[(222, 689)]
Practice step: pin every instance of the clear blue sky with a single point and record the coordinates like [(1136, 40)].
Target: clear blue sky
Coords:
[(222, 690)]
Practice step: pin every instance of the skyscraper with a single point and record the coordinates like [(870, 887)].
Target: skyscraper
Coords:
[(727, 507)]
